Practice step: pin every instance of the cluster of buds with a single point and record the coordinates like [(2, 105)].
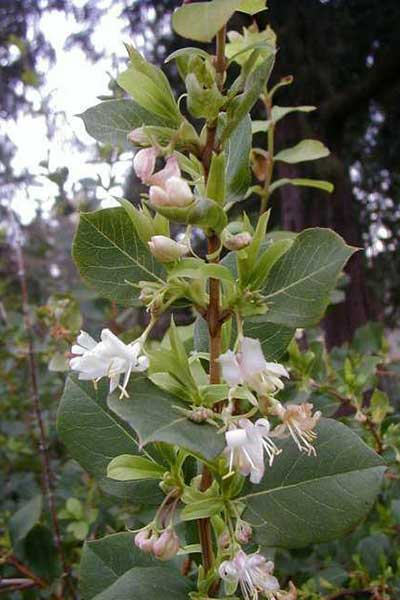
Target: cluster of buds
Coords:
[(163, 546), (167, 186)]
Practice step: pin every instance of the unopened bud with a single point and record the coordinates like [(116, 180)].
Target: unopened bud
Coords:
[(167, 545), (243, 532), (201, 414), (165, 249), (138, 136), (176, 193), (144, 163), (171, 169), (145, 540), (238, 241)]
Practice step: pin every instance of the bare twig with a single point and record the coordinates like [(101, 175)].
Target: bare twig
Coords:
[(47, 474)]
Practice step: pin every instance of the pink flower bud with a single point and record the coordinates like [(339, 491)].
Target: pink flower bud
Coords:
[(243, 532), (138, 136), (167, 545), (145, 540), (179, 192), (158, 197), (165, 249), (144, 163), (171, 169), (238, 241)]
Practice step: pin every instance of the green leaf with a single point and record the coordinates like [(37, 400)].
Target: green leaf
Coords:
[(188, 51), (150, 88), (203, 103), (278, 112), (194, 269), (251, 7), (110, 122), (157, 416), (206, 507), (41, 554), (306, 500), (299, 285), (155, 583), (238, 177), (319, 184), (104, 561), (131, 468), (201, 21), (274, 338), (303, 151), (94, 435), (25, 519), (79, 529), (216, 185), (240, 106), (109, 254)]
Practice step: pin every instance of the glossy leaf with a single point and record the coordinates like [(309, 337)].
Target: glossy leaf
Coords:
[(304, 499), (303, 151), (203, 212), (110, 122), (319, 184), (94, 435), (193, 268), (105, 560), (109, 254), (274, 338), (157, 583), (238, 177), (157, 416), (201, 21), (299, 285)]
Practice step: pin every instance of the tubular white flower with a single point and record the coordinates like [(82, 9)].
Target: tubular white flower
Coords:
[(249, 367), (299, 422), (109, 358), (165, 249), (253, 573), (171, 169), (246, 445)]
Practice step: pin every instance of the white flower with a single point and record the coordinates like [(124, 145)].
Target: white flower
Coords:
[(249, 367), (300, 423), (253, 573), (238, 241), (246, 445), (108, 358), (165, 249)]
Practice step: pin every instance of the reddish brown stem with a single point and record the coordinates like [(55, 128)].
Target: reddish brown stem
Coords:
[(213, 314)]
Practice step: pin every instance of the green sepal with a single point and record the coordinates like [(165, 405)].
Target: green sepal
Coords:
[(126, 467), (203, 212)]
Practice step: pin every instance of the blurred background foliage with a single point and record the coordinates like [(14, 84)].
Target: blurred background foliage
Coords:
[(346, 60)]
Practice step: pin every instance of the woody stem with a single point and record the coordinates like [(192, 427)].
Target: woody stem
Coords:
[(213, 314)]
